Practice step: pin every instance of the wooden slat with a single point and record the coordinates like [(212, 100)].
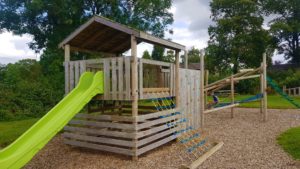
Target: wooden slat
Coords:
[(67, 77), (99, 147), (155, 122), (157, 114), (141, 79), (155, 62), (127, 78), (120, 78), (103, 132), (157, 136), (77, 73), (105, 117), (82, 67), (72, 81), (155, 90), (114, 79), (154, 145), (106, 67), (220, 108), (94, 139), (103, 124)]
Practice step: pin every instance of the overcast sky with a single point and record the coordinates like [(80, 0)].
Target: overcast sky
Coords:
[(191, 20)]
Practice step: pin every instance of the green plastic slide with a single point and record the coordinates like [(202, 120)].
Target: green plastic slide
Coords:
[(26, 146)]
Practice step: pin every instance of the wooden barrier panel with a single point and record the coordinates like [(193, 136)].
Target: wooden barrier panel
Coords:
[(190, 96)]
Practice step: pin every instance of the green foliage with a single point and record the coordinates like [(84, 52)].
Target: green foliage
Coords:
[(285, 27), (146, 55), (10, 131), (49, 21), (26, 92), (170, 57), (237, 38), (290, 142), (289, 78), (158, 53)]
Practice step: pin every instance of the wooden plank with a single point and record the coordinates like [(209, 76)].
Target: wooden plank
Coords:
[(246, 77), (220, 108), (102, 132), (94, 139), (205, 156), (99, 147), (67, 53), (157, 114), (106, 69), (155, 62), (155, 90), (202, 98), (177, 81), (157, 136), (127, 78), (77, 73), (155, 122), (105, 117), (67, 77), (265, 94), (82, 67), (120, 78), (141, 79), (114, 79), (72, 81), (154, 145), (103, 124)]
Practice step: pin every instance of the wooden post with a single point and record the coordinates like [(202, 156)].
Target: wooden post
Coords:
[(186, 59), (232, 95), (66, 64), (261, 87), (177, 78), (202, 105), (284, 88), (298, 91), (265, 87), (134, 88), (206, 84)]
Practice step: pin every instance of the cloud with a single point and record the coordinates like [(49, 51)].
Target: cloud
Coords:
[(14, 48)]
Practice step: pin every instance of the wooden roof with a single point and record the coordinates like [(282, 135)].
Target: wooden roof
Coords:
[(100, 34)]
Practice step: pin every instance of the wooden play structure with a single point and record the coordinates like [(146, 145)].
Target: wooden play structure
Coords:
[(146, 103), (244, 74)]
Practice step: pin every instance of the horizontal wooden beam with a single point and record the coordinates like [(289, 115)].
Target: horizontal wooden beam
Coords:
[(246, 77), (155, 62), (221, 108), (155, 90)]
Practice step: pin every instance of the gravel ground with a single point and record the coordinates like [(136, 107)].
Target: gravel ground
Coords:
[(248, 143)]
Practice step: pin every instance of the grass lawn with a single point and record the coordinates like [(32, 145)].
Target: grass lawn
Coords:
[(9, 131), (290, 142), (274, 102)]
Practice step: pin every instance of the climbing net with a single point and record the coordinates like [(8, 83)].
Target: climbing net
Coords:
[(191, 143)]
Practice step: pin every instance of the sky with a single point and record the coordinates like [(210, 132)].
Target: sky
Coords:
[(191, 20)]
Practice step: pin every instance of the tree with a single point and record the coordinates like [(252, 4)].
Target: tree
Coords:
[(158, 53), (146, 55), (237, 38), (170, 57), (49, 21), (285, 27)]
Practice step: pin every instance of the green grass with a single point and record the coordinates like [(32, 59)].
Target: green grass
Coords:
[(290, 142), (274, 102), (10, 131)]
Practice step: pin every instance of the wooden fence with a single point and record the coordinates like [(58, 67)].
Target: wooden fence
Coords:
[(190, 96), (295, 91), (155, 78)]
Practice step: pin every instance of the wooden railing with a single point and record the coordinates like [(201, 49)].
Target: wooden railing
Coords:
[(117, 77)]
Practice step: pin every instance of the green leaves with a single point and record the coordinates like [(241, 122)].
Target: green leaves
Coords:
[(237, 38)]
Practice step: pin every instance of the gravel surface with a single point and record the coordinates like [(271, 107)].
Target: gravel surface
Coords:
[(248, 143)]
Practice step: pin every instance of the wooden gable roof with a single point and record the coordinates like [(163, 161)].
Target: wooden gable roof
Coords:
[(100, 34)]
